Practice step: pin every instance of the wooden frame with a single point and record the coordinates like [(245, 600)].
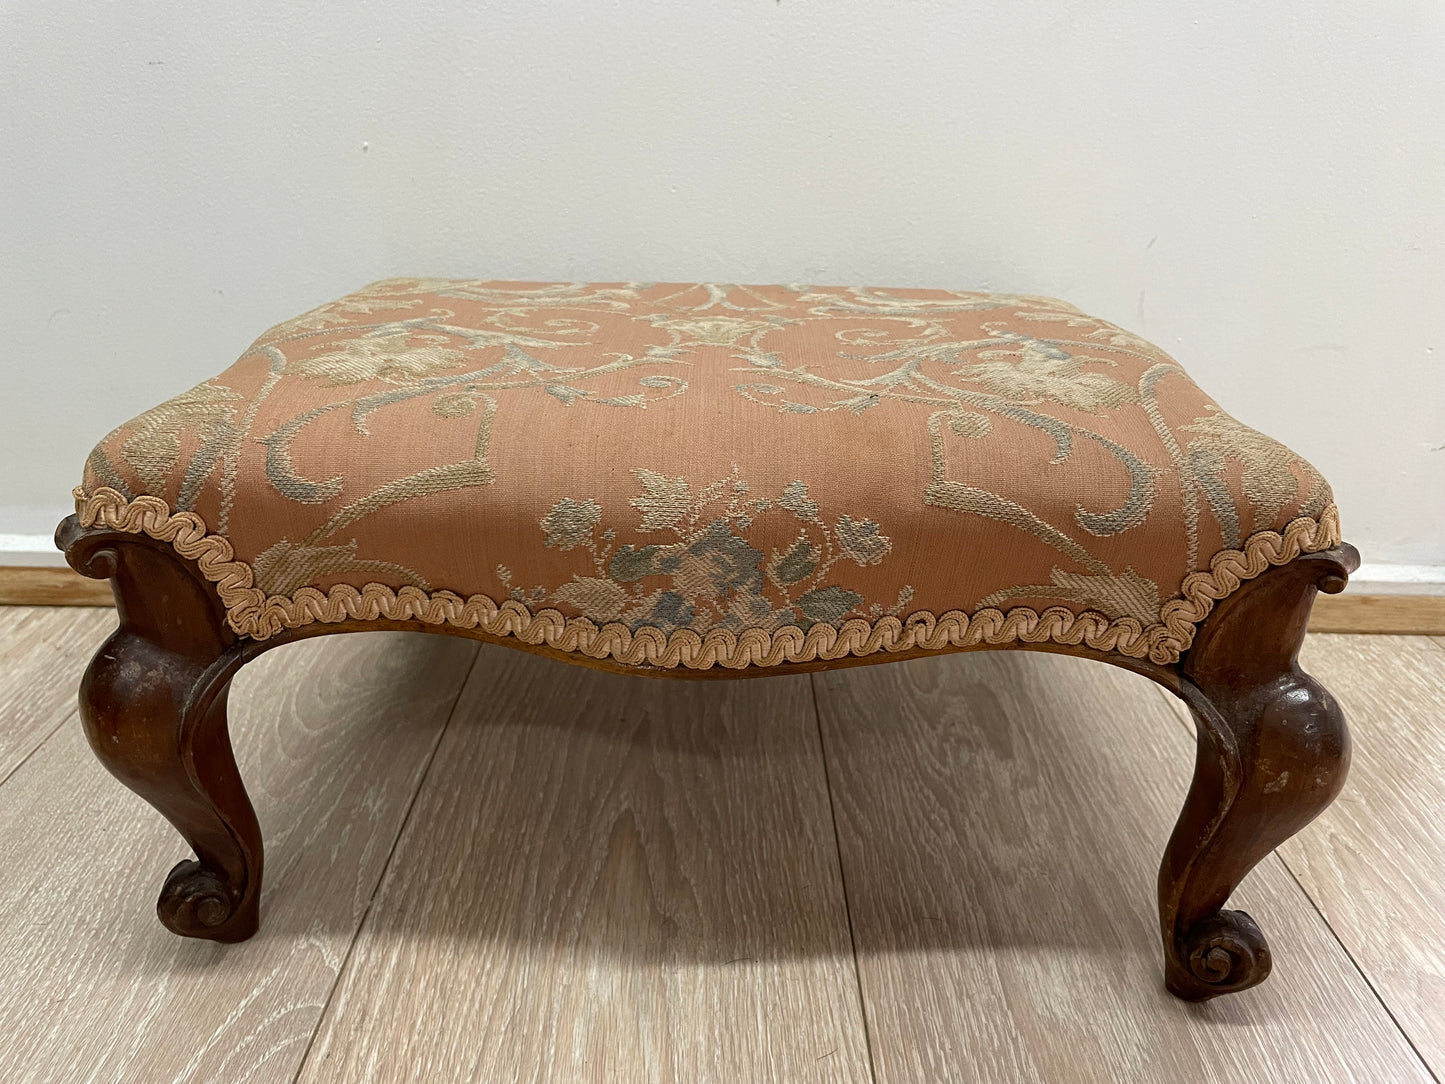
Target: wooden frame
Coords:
[(1273, 748)]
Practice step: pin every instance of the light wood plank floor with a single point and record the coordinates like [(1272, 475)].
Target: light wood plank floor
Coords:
[(485, 866)]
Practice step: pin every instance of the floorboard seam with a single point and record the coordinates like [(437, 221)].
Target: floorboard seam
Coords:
[(1180, 711), (386, 865), (843, 878), (1359, 970), (49, 734), (1328, 926), (56, 729)]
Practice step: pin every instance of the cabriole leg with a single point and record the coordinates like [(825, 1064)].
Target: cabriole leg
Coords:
[(1273, 751), (153, 703)]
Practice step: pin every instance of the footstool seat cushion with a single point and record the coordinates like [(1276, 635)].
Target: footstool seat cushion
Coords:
[(675, 475)]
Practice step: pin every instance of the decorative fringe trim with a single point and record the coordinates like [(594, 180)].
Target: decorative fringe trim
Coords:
[(251, 612)]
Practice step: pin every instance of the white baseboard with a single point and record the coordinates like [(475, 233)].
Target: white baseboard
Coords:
[(1383, 579), (27, 535), (29, 551)]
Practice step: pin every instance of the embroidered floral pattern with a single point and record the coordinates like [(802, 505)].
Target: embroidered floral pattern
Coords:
[(706, 573), (717, 461)]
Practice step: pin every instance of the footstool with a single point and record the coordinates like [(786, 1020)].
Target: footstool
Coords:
[(699, 480)]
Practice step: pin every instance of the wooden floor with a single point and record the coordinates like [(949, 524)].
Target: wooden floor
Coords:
[(484, 866)]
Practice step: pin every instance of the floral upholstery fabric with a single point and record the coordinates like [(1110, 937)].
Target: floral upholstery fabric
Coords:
[(673, 474)]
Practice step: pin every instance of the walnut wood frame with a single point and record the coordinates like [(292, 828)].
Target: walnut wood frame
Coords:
[(1273, 748)]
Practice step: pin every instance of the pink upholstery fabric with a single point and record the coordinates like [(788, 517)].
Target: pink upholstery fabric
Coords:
[(674, 466)]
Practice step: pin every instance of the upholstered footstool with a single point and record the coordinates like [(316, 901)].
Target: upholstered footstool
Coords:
[(680, 480)]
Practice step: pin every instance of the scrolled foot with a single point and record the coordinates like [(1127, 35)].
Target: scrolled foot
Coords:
[(1223, 954), (1272, 752), (196, 902), (153, 704)]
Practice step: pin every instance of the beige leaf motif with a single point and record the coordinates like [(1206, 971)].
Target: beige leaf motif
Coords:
[(153, 445), (1117, 336), (287, 566), (860, 541), (1269, 481), (1036, 378), (598, 600), (714, 330), (393, 358), (454, 406), (1103, 331), (338, 313), (570, 523), (664, 500), (796, 500), (1125, 595), (970, 424)]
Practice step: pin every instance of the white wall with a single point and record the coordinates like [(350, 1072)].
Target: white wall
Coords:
[(1259, 187)]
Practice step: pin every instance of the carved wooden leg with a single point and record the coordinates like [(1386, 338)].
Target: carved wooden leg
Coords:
[(1273, 751), (154, 707)]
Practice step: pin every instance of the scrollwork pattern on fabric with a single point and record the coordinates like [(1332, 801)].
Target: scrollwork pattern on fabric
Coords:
[(714, 465), (251, 612)]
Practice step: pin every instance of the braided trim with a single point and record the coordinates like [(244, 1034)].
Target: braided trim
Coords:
[(251, 612)]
